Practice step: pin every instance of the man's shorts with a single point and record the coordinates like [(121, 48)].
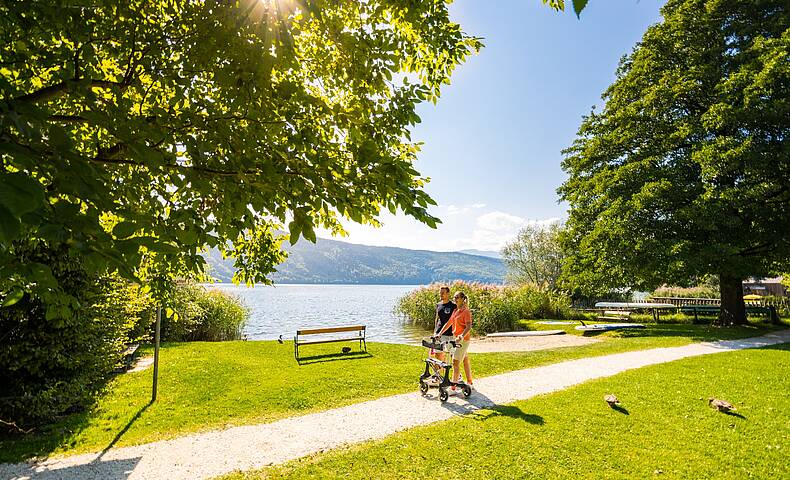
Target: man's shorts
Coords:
[(460, 352)]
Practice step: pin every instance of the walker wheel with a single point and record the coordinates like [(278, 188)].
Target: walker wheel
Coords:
[(467, 391), (423, 387), (443, 396)]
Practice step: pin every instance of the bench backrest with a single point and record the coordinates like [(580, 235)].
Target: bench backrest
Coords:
[(315, 331)]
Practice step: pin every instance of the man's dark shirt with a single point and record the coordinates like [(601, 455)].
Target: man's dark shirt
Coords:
[(444, 311)]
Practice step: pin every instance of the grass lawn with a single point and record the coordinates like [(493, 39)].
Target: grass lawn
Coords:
[(664, 429), (206, 386)]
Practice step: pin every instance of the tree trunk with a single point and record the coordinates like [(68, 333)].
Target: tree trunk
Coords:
[(733, 310)]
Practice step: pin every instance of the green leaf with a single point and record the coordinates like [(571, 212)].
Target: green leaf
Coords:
[(294, 229), (20, 193), (308, 233), (124, 229), (10, 226), (187, 237), (13, 297), (578, 6)]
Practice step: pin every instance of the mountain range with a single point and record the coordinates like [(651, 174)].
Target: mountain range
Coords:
[(333, 261)]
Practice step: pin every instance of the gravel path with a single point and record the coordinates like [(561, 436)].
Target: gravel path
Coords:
[(243, 448)]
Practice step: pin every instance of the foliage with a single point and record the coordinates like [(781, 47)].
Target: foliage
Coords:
[(685, 171), (51, 363), (157, 128), (690, 292), (535, 256), (203, 315), (494, 308), (214, 385), (664, 409), (578, 5)]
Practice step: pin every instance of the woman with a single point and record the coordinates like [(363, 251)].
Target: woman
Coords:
[(461, 323)]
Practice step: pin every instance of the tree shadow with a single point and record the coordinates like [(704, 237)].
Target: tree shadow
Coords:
[(119, 469), (515, 413), (695, 333), (333, 357)]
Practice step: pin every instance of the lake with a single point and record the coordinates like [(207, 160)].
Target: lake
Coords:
[(282, 309)]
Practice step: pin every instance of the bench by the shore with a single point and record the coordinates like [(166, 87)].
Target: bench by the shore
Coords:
[(359, 336)]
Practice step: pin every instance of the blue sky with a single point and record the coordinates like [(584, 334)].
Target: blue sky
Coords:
[(492, 144)]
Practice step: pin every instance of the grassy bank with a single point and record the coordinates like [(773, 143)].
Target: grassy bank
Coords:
[(664, 429), (213, 385)]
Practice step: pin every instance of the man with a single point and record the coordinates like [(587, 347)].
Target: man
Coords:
[(444, 310)]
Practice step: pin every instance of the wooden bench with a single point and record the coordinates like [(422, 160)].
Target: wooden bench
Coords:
[(127, 357), (617, 315), (358, 337)]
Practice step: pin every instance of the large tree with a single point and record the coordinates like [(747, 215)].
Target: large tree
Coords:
[(686, 171), (535, 256), (139, 127)]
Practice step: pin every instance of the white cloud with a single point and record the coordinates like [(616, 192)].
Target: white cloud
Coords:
[(462, 209), (499, 222)]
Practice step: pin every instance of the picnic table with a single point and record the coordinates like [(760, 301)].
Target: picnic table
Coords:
[(714, 310), (653, 307)]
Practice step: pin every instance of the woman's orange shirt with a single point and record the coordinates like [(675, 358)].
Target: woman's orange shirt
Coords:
[(460, 318)]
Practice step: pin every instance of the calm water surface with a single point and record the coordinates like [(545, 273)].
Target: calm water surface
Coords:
[(282, 309)]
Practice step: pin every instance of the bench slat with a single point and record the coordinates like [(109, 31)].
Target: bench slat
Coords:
[(309, 342), (314, 331)]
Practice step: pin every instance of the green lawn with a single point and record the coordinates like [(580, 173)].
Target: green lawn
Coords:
[(213, 385), (664, 429)]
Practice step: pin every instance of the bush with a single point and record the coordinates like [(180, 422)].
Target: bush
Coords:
[(204, 315), (494, 308), (55, 360), (693, 292)]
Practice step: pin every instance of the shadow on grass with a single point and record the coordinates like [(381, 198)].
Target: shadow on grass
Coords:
[(618, 408), (120, 469), (124, 429), (333, 357), (516, 413), (734, 414), (696, 333), (40, 443), (15, 447)]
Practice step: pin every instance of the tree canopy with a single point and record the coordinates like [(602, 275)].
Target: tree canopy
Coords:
[(686, 171), (134, 128), (535, 256)]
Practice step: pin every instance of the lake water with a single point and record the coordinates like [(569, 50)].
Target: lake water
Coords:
[(282, 309)]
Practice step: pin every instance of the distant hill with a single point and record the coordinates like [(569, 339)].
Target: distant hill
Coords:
[(482, 253), (332, 261)]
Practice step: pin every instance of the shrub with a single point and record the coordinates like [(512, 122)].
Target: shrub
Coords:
[(54, 360), (692, 292), (494, 308), (204, 315)]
